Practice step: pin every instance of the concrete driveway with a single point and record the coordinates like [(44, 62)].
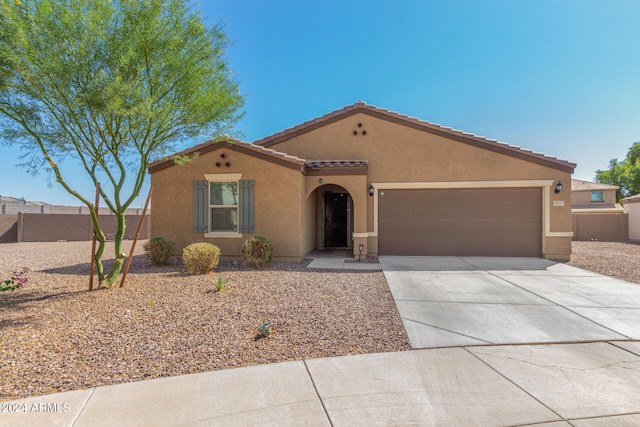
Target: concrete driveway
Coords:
[(461, 301)]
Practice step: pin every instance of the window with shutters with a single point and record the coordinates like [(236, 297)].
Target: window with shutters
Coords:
[(223, 206)]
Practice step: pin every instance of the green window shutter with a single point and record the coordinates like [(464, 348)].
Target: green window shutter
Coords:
[(247, 207), (200, 206)]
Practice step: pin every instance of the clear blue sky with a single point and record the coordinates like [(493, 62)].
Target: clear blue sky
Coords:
[(559, 77)]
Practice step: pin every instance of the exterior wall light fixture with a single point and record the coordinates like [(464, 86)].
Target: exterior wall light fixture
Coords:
[(558, 187), (321, 180), (372, 190)]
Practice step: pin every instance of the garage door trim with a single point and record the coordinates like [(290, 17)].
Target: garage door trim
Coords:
[(544, 184)]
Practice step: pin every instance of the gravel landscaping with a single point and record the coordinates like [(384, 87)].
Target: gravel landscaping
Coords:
[(55, 335), (616, 259)]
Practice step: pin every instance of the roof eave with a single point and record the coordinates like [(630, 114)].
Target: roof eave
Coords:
[(361, 107), (243, 147)]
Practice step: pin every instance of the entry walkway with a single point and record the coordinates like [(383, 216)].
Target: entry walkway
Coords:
[(339, 259)]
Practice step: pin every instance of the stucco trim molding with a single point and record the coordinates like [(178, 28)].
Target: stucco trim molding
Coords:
[(222, 177), (544, 184), (560, 234), (224, 235), (619, 210)]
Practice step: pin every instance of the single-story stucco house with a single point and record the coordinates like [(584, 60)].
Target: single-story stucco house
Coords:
[(596, 215), (632, 209), (368, 179)]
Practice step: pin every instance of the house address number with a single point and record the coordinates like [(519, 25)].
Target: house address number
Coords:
[(558, 203)]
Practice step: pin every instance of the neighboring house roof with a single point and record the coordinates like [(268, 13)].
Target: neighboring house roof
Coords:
[(13, 201), (579, 185), (632, 199), (468, 138)]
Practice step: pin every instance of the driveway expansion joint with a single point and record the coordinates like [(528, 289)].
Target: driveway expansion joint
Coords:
[(315, 388), (446, 330)]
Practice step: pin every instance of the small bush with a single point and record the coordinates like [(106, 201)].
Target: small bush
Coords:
[(159, 250), (258, 252), (200, 258)]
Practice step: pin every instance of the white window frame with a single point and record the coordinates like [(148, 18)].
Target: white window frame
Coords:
[(220, 178)]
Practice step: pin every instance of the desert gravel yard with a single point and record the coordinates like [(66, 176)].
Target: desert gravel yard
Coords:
[(55, 335), (616, 259)]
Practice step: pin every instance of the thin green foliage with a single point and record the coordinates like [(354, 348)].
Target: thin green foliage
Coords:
[(112, 84), (264, 330), (220, 283)]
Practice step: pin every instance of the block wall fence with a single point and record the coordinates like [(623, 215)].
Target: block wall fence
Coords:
[(36, 227), (605, 228)]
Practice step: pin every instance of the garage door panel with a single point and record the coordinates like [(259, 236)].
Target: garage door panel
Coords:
[(487, 222)]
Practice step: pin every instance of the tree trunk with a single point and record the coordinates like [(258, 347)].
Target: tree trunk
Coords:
[(108, 279), (111, 277)]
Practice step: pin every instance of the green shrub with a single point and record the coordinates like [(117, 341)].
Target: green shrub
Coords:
[(220, 283), (258, 252), (200, 258), (264, 330), (159, 250)]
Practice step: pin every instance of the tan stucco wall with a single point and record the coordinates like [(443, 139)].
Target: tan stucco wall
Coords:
[(633, 210), (278, 212), (400, 154), (582, 199), (288, 203)]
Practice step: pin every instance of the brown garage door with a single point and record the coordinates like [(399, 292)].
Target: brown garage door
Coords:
[(471, 222)]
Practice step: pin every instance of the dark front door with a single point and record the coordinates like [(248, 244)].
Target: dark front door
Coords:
[(336, 220)]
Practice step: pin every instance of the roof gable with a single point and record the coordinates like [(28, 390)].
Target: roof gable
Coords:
[(467, 138), (242, 147)]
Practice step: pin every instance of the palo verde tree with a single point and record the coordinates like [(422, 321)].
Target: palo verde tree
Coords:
[(625, 174), (113, 84)]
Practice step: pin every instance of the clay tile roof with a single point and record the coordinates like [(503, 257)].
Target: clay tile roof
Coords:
[(318, 164), (632, 199), (469, 138)]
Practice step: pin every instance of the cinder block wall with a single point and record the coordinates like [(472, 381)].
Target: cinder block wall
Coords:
[(73, 227), (8, 228), (602, 227)]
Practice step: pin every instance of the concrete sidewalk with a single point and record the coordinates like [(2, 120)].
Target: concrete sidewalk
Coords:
[(588, 384)]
